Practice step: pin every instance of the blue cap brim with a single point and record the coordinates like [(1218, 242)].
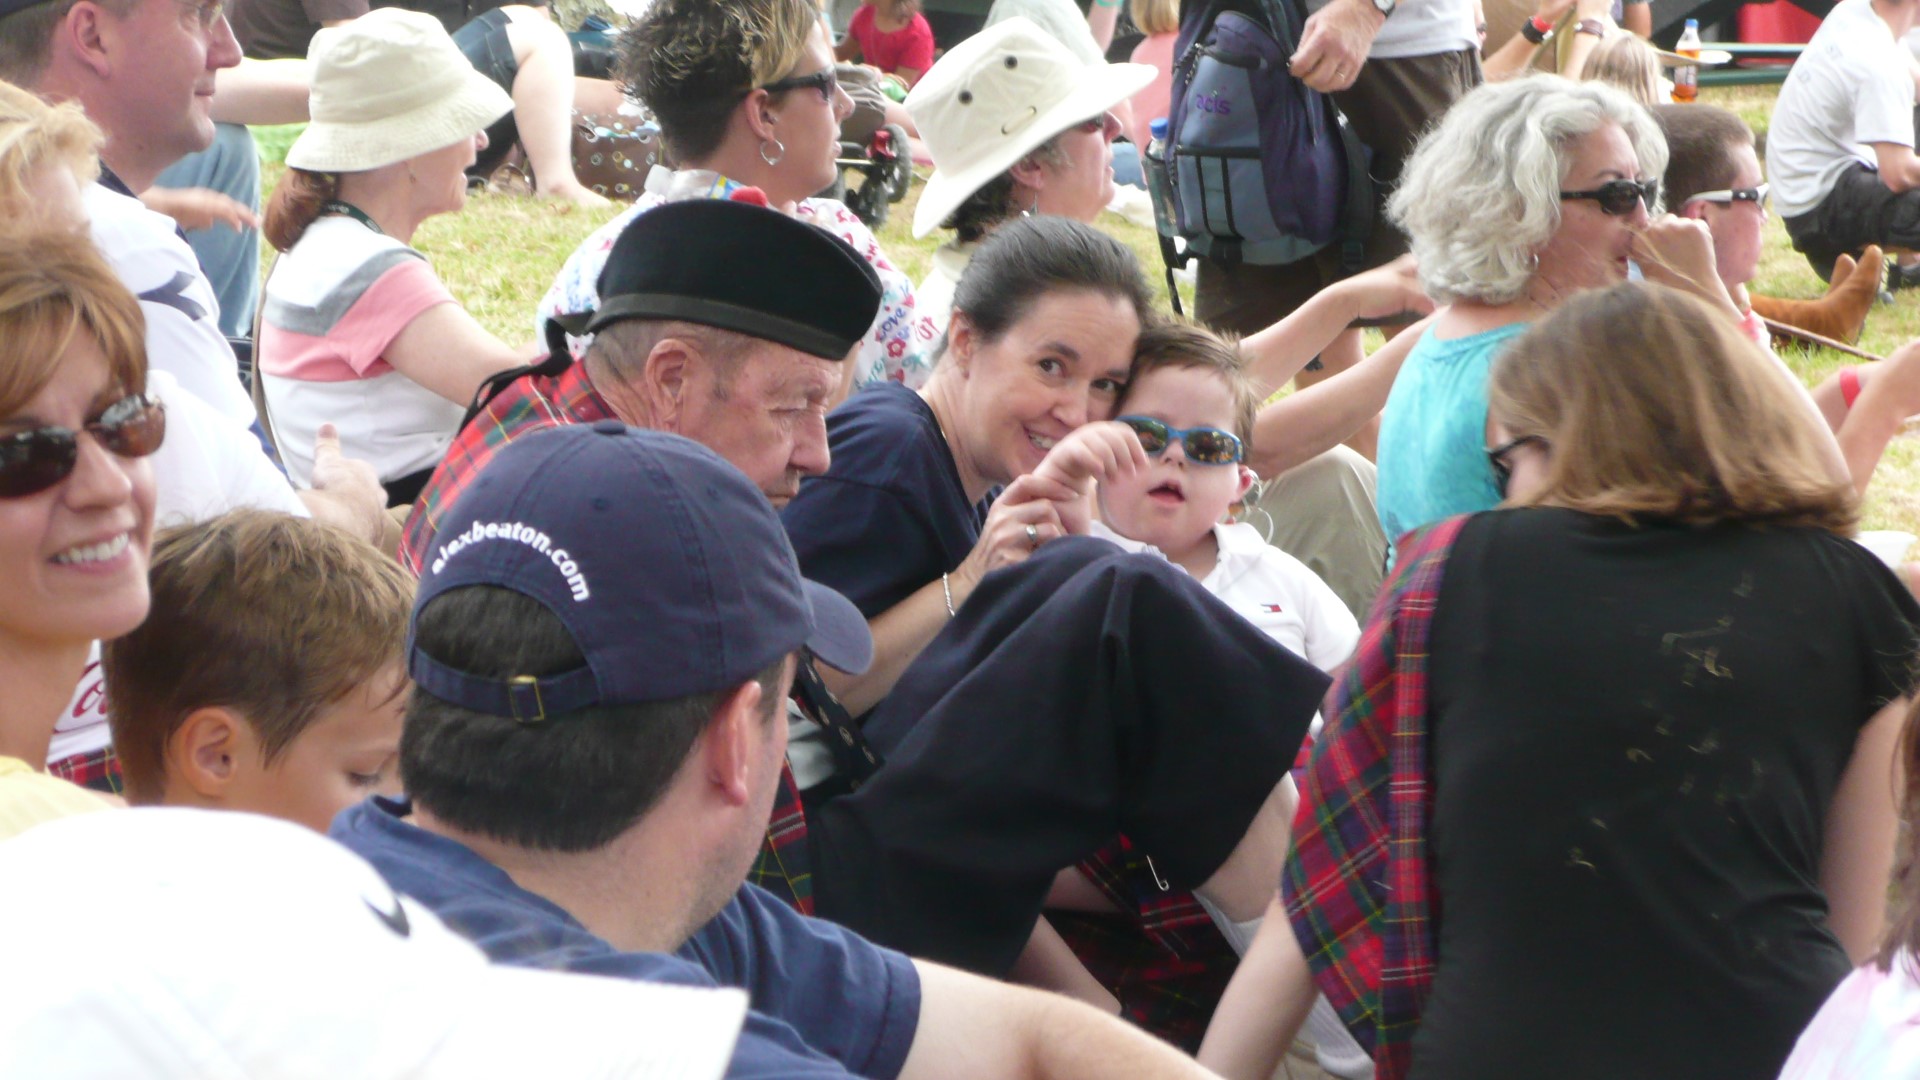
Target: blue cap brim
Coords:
[(840, 638)]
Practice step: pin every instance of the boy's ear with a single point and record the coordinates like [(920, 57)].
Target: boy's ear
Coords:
[(1247, 479), (205, 752)]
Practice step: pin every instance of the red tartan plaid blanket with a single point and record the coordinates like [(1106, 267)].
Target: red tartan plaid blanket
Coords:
[(1356, 884)]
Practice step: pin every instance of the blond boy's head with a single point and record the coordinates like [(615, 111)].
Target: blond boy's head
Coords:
[(1171, 345), (268, 677), (1187, 378)]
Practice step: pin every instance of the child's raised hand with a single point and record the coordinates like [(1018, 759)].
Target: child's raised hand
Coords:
[(1096, 451), (1386, 291)]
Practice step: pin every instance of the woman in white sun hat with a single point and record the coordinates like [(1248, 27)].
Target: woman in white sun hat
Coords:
[(356, 328), (1016, 123)]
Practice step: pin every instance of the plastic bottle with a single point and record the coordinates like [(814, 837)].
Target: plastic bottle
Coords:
[(1686, 77), (1157, 139)]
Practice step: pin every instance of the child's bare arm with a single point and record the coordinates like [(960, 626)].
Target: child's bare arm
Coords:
[(1277, 353), (1263, 1007)]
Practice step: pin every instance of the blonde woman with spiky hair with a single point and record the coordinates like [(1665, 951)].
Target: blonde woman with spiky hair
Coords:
[(749, 106)]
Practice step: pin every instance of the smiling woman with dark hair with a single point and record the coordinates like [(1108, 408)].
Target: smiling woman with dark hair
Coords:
[(929, 491)]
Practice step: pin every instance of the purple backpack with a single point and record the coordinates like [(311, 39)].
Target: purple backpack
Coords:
[(1254, 167)]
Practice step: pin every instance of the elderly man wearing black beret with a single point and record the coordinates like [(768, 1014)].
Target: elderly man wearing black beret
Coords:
[(724, 322)]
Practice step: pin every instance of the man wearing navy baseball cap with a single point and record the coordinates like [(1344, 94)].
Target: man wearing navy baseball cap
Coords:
[(606, 626)]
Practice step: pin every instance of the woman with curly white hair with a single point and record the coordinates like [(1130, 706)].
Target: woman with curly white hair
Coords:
[(1526, 194)]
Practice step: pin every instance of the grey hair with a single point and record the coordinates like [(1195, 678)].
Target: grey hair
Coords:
[(1481, 193), (992, 204)]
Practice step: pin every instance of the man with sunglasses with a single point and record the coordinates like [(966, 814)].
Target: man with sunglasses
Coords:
[(1713, 175), (1840, 150)]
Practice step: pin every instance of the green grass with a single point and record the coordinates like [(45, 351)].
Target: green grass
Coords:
[(499, 256)]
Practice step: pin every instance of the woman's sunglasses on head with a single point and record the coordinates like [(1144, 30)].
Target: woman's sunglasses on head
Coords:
[(1619, 197), (1202, 445), (33, 461)]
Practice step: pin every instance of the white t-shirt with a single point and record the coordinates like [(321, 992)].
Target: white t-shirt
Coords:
[(1850, 87), (1274, 591), (333, 306), (209, 464), (935, 294), (1422, 28), (183, 317), (210, 461)]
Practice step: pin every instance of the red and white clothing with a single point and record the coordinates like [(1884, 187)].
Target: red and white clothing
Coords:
[(333, 305)]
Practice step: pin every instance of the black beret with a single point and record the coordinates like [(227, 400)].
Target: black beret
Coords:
[(740, 267)]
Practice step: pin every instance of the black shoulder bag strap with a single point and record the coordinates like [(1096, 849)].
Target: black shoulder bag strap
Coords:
[(559, 359), (853, 756)]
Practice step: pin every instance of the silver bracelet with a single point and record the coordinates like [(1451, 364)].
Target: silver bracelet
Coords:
[(948, 589)]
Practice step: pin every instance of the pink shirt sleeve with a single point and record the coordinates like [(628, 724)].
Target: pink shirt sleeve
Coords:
[(395, 299)]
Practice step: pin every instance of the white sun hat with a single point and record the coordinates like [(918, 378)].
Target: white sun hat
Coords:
[(995, 97), (388, 86), (215, 945)]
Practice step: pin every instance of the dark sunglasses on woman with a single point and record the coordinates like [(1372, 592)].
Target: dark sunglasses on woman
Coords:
[(33, 461), (1202, 445), (823, 80), (1497, 458), (1618, 197)]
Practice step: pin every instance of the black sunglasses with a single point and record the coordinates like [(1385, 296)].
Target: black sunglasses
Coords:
[(33, 461), (823, 80), (1618, 197), (1202, 445), (1497, 458)]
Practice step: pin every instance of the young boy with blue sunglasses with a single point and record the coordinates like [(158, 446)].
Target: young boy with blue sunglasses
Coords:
[(1171, 469)]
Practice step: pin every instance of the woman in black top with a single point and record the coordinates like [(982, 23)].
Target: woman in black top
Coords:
[(1663, 688)]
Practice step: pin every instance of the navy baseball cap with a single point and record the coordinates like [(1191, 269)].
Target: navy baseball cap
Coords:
[(666, 564)]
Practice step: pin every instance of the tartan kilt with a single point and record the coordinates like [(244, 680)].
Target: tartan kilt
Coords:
[(1161, 955), (783, 866), (95, 771)]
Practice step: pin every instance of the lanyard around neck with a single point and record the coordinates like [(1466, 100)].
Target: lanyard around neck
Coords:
[(347, 209)]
